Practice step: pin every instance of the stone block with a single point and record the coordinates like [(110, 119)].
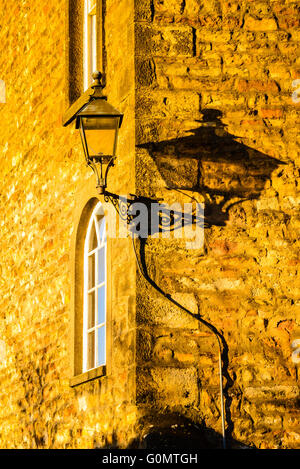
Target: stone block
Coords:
[(175, 386), (264, 24), (173, 42), (277, 392), (156, 310)]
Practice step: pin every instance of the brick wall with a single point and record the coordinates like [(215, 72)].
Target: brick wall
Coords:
[(42, 172), (229, 65), (169, 65)]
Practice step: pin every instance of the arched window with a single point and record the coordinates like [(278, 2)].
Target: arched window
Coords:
[(95, 292), (90, 308)]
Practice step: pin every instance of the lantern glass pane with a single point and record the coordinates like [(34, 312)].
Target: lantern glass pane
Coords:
[(101, 134)]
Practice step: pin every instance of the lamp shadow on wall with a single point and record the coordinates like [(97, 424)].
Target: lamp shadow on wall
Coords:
[(211, 162), (225, 173)]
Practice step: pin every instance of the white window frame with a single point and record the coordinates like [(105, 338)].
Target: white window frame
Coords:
[(90, 58), (88, 289)]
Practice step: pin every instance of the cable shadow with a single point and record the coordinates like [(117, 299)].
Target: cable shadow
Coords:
[(222, 345)]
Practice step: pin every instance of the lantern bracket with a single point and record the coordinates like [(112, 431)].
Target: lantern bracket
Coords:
[(101, 177)]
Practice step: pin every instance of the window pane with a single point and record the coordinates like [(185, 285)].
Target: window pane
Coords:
[(93, 44), (95, 292), (91, 5), (91, 350), (91, 309), (93, 243), (91, 271), (101, 346), (101, 265), (101, 305), (101, 225)]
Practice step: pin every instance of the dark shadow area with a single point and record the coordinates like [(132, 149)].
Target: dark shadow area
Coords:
[(210, 161), (173, 433)]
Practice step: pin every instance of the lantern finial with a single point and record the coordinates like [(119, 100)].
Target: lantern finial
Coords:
[(97, 76)]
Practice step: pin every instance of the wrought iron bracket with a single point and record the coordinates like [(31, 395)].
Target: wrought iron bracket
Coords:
[(101, 176), (121, 204), (166, 218)]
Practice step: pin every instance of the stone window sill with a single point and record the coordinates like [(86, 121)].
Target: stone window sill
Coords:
[(88, 376)]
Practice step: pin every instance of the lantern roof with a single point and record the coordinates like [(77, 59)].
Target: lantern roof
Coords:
[(98, 108), (92, 103)]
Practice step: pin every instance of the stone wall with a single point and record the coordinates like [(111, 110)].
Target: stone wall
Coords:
[(169, 64), (216, 123), (42, 173)]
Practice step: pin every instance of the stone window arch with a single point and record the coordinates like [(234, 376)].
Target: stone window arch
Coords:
[(90, 293), (95, 291)]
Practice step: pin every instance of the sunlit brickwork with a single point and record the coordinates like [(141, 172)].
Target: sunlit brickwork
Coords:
[(206, 88)]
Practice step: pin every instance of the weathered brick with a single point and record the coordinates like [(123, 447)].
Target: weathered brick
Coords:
[(263, 24), (263, 86), (229, 65)]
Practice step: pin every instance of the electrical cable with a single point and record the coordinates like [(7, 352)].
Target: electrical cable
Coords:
[(168, 297)]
